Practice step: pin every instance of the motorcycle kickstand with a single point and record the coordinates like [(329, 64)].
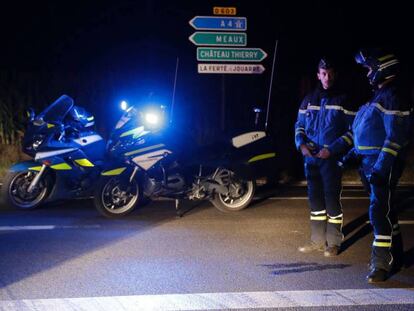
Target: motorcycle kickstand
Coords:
[(178, 212)]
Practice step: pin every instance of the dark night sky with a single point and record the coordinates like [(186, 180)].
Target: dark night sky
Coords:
[(128, 49), (75, 33)]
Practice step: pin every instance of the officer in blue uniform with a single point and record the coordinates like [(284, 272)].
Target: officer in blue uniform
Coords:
[(321, 130), (381, 131)]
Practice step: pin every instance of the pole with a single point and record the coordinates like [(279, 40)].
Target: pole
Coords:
[(223, 103), (173, 94), (271, 85)]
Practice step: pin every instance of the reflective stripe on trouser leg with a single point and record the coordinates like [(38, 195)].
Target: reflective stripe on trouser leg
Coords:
[(317, 203), (379, 211), (334, 234), (318, 226), (331, 176), (381, 256)]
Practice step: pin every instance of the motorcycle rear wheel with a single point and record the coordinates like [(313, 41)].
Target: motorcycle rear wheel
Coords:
[(241, 193), (116, 197), (14, 190)]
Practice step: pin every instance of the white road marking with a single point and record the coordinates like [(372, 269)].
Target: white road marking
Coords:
[(305, 198), (220, 301), (46, 227), (401, 222)]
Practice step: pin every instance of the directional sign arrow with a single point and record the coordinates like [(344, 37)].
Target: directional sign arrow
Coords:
[(231, 68), (219, 23), (231, 54), (219, 38)]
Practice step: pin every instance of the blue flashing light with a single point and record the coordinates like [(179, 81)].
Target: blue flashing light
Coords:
[(124, 105), (152, 118)]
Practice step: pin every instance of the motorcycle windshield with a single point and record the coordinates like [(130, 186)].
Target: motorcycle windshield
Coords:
[(132, 112), (57, 111)]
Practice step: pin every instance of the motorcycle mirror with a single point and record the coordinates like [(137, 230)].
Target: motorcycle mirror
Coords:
[(30, 113)]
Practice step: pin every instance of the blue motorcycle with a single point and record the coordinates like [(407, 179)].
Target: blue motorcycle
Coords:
[(67, 157), (149, 158)]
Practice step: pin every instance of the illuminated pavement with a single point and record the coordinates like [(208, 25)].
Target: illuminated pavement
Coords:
[(66, 257)]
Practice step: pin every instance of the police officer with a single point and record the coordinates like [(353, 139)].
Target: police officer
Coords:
[(323, 119), (380, 132)]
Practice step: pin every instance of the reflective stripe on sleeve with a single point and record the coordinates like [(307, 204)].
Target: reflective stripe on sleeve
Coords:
[(347, 139), (369, 148), (391, 112), (388, 150), (337, 107), (392, 144)]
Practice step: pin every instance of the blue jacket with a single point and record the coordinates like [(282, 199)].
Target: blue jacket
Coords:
[(381, 127), (324, 120)]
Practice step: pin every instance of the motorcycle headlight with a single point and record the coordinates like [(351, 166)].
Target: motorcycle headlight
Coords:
[(152, 119)]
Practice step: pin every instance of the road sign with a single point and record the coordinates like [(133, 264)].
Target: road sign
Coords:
[(231, 68), (219, 38), (219, 23), (231, 54), (219, 10)]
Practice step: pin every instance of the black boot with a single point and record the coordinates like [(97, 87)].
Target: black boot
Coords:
[(377, 275), (397, 252)]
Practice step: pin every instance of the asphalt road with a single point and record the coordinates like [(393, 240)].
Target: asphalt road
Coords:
[(52, 257)]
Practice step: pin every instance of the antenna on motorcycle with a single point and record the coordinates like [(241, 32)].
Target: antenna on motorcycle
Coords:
[(174, 87), (271, 85)]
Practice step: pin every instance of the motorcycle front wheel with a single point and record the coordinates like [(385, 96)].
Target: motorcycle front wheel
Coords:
[(240, 193), (15, 194), (116, 196)]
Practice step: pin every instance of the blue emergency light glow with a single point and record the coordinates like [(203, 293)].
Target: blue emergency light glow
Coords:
[(124, 105), (151, 118)]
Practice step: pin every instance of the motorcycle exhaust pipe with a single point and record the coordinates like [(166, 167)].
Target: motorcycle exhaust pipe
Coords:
[(35, 180)]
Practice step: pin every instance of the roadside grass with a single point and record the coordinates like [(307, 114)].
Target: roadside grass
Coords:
[(9, 154)]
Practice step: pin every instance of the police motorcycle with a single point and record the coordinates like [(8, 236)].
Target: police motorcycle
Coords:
[(147, 158), (67, 157)]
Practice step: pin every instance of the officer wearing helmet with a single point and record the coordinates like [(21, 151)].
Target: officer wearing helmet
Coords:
[(380, 136), (323, 120)]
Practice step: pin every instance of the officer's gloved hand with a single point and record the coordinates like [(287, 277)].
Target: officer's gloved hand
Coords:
[(376, 179), (351, 159)]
